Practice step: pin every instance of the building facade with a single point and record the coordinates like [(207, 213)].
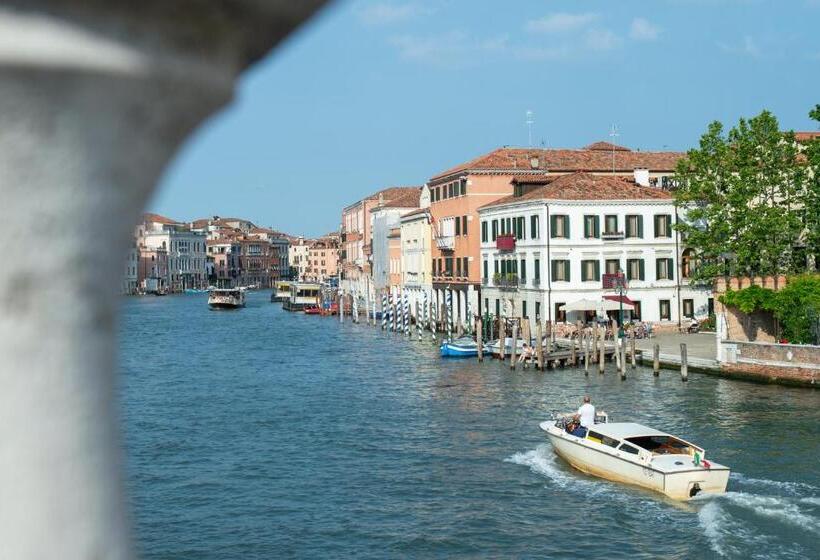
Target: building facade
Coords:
[(416, 259), (385, 220), (555, 241), (322, 260)]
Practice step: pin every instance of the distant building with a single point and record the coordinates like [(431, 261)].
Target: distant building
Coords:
[(322, 259), (298, 258), (386, 220), (416, 259), (223, 258)]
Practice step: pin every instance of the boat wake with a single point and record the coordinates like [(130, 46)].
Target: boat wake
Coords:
[(758, 518)]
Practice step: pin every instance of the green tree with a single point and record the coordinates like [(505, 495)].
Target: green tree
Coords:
[(739, 195), (811, 196)]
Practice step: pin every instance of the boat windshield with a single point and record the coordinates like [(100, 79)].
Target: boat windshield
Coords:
[(662, 445)]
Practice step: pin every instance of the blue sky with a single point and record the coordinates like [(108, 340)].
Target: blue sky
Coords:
[(375, 94)]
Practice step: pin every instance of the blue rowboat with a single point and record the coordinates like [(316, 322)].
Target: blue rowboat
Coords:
[(464, 347)]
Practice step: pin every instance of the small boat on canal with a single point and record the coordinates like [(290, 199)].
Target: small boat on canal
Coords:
[(494, 346), (313, 310), (635, 454), (226, 298), (281, 291), (464, 347)]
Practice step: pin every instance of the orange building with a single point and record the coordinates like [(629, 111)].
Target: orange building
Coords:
[(456, 195)]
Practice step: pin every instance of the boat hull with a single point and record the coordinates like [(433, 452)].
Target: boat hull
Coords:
[(455, 351), (225, 305), (610, 464)]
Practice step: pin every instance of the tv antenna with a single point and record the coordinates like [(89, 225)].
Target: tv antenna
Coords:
[(613, 134), (529, 122)]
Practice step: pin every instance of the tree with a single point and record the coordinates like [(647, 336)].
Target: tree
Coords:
[(811, 196), (740, 198)]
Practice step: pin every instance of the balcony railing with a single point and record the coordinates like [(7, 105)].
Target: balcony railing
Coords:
[(506, 281), (446, 242), (505, 242), (612, 235)]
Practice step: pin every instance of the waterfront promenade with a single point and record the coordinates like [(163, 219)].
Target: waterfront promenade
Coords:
[(265, 434)]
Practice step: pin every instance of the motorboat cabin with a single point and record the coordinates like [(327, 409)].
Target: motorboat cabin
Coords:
[(226, 298), (636, 454), (281, 292)]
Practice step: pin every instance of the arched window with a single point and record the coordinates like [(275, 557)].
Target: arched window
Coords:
[(687, 263)]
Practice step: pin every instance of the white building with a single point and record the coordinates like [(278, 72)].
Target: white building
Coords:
[(186, 253), (298, 258), (416, 256), (554, 239)]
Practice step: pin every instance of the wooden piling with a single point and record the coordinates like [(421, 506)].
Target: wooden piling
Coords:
[(586, 353), (602, 356), (502, 339), (632, 348), (684, 363), (514, 346), (623, 355), (539, 349), (595, 330), (479, 339), (615, 340), (656, 360), (573, 356), (549, 338)]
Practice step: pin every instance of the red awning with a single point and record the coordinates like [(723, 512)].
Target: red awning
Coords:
[(622, 299)]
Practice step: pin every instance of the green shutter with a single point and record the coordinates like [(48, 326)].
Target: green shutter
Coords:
[(567, 271), (671, 269), (583, 271), (640, 226), (553, 226), (597, 270), (597, 223), (657, 217), (642, 269), (658, 269), (566, 230)]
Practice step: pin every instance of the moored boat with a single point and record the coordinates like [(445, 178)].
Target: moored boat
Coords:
[(281, 291), (639, 455), (494, 346), (226, 298), (464, 347)]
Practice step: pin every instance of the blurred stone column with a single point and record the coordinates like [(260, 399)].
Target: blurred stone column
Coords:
[(95, 98)]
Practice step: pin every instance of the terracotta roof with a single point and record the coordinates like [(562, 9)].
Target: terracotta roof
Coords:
[(399, 197), (150, 217), (805, 136), (519, 160), (416, 212), (585, 186), (534, 179), (606, 146)]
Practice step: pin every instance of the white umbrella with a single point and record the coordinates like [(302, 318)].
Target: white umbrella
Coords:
[(581, 305), (610, 305)]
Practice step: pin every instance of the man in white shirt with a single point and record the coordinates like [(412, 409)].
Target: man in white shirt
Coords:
[(585, 416)]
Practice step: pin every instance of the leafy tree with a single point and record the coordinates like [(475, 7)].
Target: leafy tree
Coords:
[(811, 196), (740, 195)]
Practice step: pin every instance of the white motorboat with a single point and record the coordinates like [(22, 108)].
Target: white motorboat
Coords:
[(635, 454), (226, 298), (494, 346)]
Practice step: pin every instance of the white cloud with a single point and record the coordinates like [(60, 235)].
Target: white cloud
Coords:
[(601, 40), (386, 14), (560, 22), (453, 47), (746, 48), (643, 30)]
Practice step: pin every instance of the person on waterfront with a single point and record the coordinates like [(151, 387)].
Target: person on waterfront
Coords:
[(526, 354), (585, 417)]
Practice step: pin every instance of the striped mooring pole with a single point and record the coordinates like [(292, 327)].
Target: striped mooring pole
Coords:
[(406, 314), (384, 310), (394, 311), (449, 310)]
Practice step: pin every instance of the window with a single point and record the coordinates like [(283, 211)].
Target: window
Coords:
[(560, 314), (485, 268), (524, 309), (636, 311), (635, 269), (483, 231), (486, 305), (689, 308), (590, 271), (560, 270), (509, 225), (497, 308), (537, 309), (458, 267), (663, 225), (606, 440), (592, 227), (534, 226), (666, 310), (612, 265), (634, 225), (559, 227), (686, 263), (495, 266), (458, 226), (664, 269), (464, 225), (629, 449), (495, 229), (519, 230), (537, 267), (463, 185), (523, 271), (611, 224), (464, 266)]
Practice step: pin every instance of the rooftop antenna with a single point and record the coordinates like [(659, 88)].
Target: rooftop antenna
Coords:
[(613, 133), (529, 122)]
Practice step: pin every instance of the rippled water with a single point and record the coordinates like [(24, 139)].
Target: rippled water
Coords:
[(263, 434)]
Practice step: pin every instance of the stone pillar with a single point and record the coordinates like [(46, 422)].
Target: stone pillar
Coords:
[(95, 98)]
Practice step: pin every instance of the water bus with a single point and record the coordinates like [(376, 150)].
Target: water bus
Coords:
[(635, 454), (226, 298), (302, 295), (281, 291)]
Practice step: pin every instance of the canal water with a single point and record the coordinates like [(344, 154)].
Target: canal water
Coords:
[(264, 434)]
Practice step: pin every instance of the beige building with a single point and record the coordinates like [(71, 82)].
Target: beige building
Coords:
[(416, 259)]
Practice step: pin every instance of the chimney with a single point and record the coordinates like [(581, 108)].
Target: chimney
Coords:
[(642, 177)]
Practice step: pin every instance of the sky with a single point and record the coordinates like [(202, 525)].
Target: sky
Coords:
[(371, 94)]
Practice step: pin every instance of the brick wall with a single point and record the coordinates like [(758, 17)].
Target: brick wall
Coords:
[(790, 363), (759, 326)]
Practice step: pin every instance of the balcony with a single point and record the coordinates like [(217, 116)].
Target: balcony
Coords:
[(505, 242), (506, 281), (612, 235), (446, 242)]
